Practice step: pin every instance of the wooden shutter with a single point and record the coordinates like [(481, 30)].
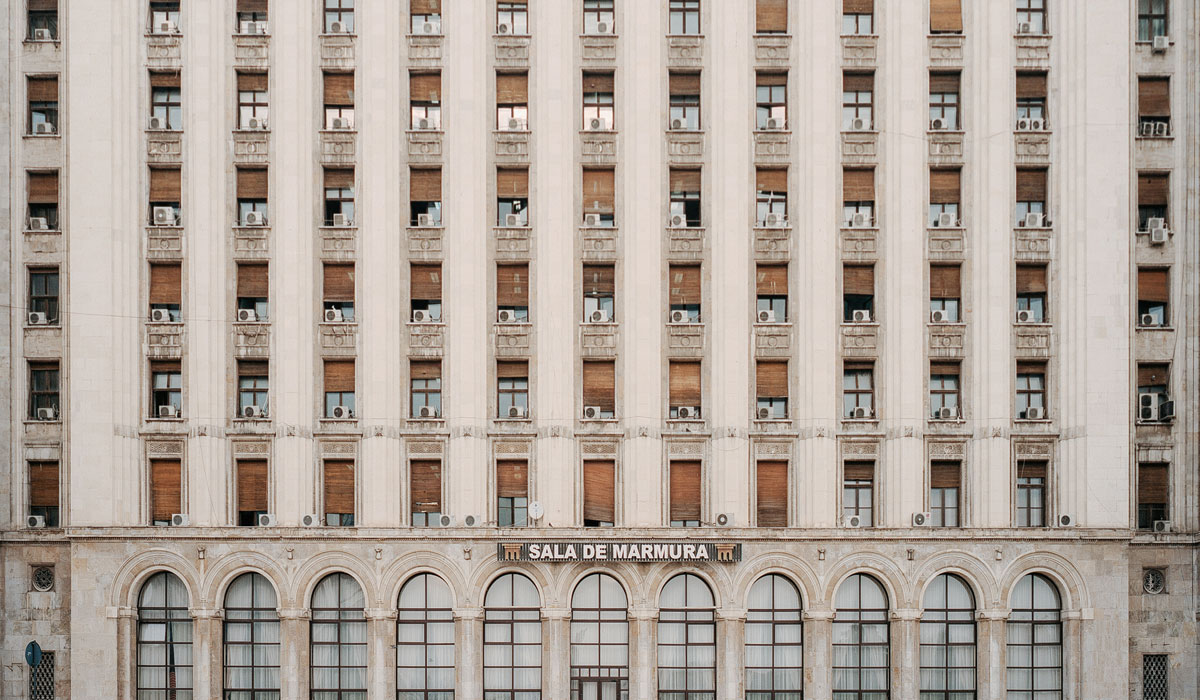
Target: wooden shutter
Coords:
[(945, 16), (598, 82), (685, 180), (1154, 97), (252, 82), (512, 182), (339, 375), (763, 79), (772, 379), (43, 5), (599, 385), (684, 383), (1153, 285), (43, 484), (339, 89), (426, 281), (858, 7), (339, 178), (943, 82), (599, 491), (1031, 85), (945, 282), (858, 82), (944, 186), (771, 180), (512, 478), (944, 368), (772, 488), (165, 80), (43, 89), (512, 285), (252, 183), (772, 280), (251, 5), (1153, 189), (166, 488), (858, 185), (166, 283), (425, 185), (252, 485), (599, 279), (684, 284), (425, 485), (1153, 479), (253, 368), (683, 84), (1031, 470), (425, 369), (1031, 279), (599, 191), (685, 490), (159, 366), (339, 486), (771, 16), (43, 188), (253, 280), (1031, 185), (512, 369), (858, 279), (1153, 374), (858, 471), (339, 282), (426, 7), (425, 87), (512, 88), (165, 185), (945, 475)]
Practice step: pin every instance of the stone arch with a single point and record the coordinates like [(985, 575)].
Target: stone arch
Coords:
[(1071, 585), (399, 572), (658, 577), (127, 583), (570, 577), (325, 563), (485, 575), (790, 567), (880, 567), (234, 564), (968, 567)]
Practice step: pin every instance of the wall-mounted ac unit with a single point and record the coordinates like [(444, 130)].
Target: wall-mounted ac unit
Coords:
[(180, 520), (766, 316), (506, 316), (47, 414), (424, 124), (859, 124), (776, 220), (591, 412), (168, 411), (341, 123), (676, 124), (591, 220), (312, 520), (516, 125), (160, 316), (333, 316), (947, 220), (679, 317), (1035, 413), (512, 220), (425, 220), (421, 316), (938, 124), (164, 216), (266, 520), (35, 522), (597, 124), (1034, 220), (256, 124), (431, 28), (776, 124), (254, 218), (37, 318), (763, 414), (38, 223), (947, 413), (1159, 235), (253, 412), (678, 221), (342, 412), (1025, 316), (939, 316), (1066, 521), (446, 520), (43, 128), (427, 412), (922, 519), (1160, 44), (247, 316), (1162, 525), (688, 412), (166, 27), (860, 412), (598, 316), (724, 519), (504, 28), (861, 316), (157, 123), (516, 411), (860, 220), (604, 28), (42, 35), (253, 27), (338, 28), (1147, 321), (854, 521), (1024, 28), (341, 221)]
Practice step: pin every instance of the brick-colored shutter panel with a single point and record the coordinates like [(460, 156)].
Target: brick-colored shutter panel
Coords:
[(945, 475), (512, 182), (167, 80), (425, 369), (685, 490), (1031, 279), (252, 6), (945, 368), (1153, 285), (772, 491), (772, 379), (599, 279), (945, 15), (684, 284), (683, 84), (166, 284), (425, 485), (252, 485), (1153, 374), (166, 185), (858, 279), (339, 89), (771, 16), (945, 282), (43, 484), (1031, 85), (43, 89), (339, 486), (339, 375), (512, 478), (858, 185), (765, 79), (1153, 189), (1153, 479), (771, 280), (599, 491), (599, 191), (512, 285), (600, 385), (1031, 185), (252, 183), (1031, 470), (425, 185), (426, 7), (252, 82), (253, 368), (944, 82), (43, 188), (512, 88), (426, 282), (684, 383), (339, 178), (1154, 97), (339, 282), (944, 186), (425, 87), (858, 7), (166, 494), (253, 280)]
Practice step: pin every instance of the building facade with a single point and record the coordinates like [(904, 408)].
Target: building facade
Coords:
[(686, 349)]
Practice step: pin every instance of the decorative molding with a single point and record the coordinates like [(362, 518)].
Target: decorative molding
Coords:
[(158, 448), (684, 447), (513, 448), (425, 448), (860, 447), (599, 448)]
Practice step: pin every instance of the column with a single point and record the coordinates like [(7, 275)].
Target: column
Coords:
[(1072, 651), (556, 646), (381, 656), (991, 646), (731, 659), (294, 651), (468, 649), (126, 655), (905, 642), (643, 643), (206, 644), (818, 632)]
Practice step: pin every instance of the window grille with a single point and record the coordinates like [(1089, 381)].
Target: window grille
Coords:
[(1154, 677), (41, 679), (43, 579)]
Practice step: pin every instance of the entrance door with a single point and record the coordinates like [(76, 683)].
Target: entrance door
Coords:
[(598, 690)]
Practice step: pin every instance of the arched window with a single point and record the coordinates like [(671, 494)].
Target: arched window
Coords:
[(599, 639), (774, 635), (687, 640), (512, 640), (860, 641), (339, 640), (1035, 640), (425, 640), (251, 639), (948, 640), (164, 635)]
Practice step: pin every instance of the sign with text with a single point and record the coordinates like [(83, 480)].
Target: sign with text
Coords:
[(637, 552)]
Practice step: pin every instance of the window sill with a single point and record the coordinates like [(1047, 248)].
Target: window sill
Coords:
[(239, 35), (1032, 132), (585, 132), (177, 34), (521, 227), (426, 324), (957, 132), (324, 35), (773, 324), (853, 324), (326, 420), (55, 135), (55, 231), (758, 131), (418, 419), (1168, 137), (681, 130), (591, 324), (511, 35), (497, 131), (164, 131), (35, 421), (425, 131), (47, 326), (947, 421), (1155, 328), (860, 36), (337, 324), (1033, 421), (1148, 423), (772, 421), (28, 40), (860, 421), (598, 35), (847, 227), (157, 419), (873, 131), (943, 324), (609, 421), (338, 131), (248, 130), (1035, 324), (685, 36), (514, 421)]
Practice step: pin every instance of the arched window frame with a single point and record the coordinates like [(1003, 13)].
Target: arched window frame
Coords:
[(164, 639), (948, 640), (1035, 624), (695, 618), (594, 627), (774, 631), (860, 628), (505, 621), (340, 626), (424, 640), (251, 630)]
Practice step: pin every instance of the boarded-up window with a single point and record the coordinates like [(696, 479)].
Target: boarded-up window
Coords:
[(339, 89), (771, 180), (685, 180), (43, 485), (512, 88), (1153, 189), (771, 280), (771, 16), (339, 281), (944, 186), (166, 489), (253, 280), (252, 82), (165, 80), (1154, 97), (772, 489), (252, 485), (426, 281), (1153, 374), (1031, 279), (1153, 480), (512, 478), (166, 284), (339, 375), (512, 285), (858, 185), (685, 491), (945, 16), (252, 183), (1153, 285), (339, 486), (339, 178), (772, 379), (425, 185), (600, 385), (425, 485), (599, 191), (598, 82), (684, 284), (599, 279), (858, 280), (683, 84), (1031, 185), (165, 185), (43, 89), (858, 7), (944, 475), (425, 87), (684, 383), (599, 491), (858, 82), (945, 282), (43, 188), (512, 182), (943, 83), (1031, 86)]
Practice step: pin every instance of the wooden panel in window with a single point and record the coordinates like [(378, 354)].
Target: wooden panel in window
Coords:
[(425, 87), (513, 369), (1154, 97), (1031, 470), (425, 369), (252, 6), (685, 180), (771, 180), (858, 7), (858, 185), (166, 185), (945, 368), (165, 80), (1034, 367), (253, 280), (772, 379), (43, 484), (685, 84), (598, 82), (772, 492), (685, 490), (944, 186), (512, 285), (1031, 279), (862, 471), (1153, 374), (945, 474), (772, 280), (1153, 285), (1031, 85), (944, 82), (339, 178), (684, 383), (43, 188), (945, 16), (158, 366), (766, 79), (600, 385), (339, 89), (252, 485), (425, 485), (43, 89), (166, 488), (1153, 189), (599, 491), (339, 375), (599, 279), (252, 82), (426, 7), (512, 88), (42, 5), (252, 183), (599, 191), (1153, 480), (1031, 185), (512, 182), (426, 281), (858, 279), (512, 478), (858, 82), (166, 283), (425, 185), (683, 284), (945, 281), (253, 368), (771, 16), (339, 486), (339, 282)]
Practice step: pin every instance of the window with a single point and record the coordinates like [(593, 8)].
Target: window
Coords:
[(772, 494), (771, 100), (687, 640), (339, 389), (944, 198), (685, 198), (43, 388), (512, 17), (771, 192), (164, 11), (512, 101), (425, 101), (166, 193), (599, 198), (166, 490), (1153, 294), (943, 101), (1031, 93), (512, 197), (338, 293), (599, 639), (251, 11), (771, 17), (339, 493), (861, 667), (164, 639), (683, 293), (339, 100), (944, 391), (945, 292), (771, 287), (425, 492), (774, 640), (425, 197), (166, 102), (512, 493), (43, 23), (166, 393), (1153, 484), (858, 101), (858, 390), (598, 16), (1154, 676), (1154, 106), (858, 293), (426, 378), (426, 16), (43, 104), (251, 639), (1031, 389), (512, 378), (253, 386), (948, 640), (166, 291), (1033, 13), (43, 293), (251, 491), (425, 639), (43, 201), (41, 678), (1031, 494), (339, 17), (945, 17), (945, 484), (1154, 194), (43, 491), (512, 640), (858, 492), (1031, 293), (599, 493), (599, 292), (1031, 198), (684, 485), (253, 108), (1152, 19), (772, 390), (338, 651), (858, 198), (685, 17), (1153, 388), (858, 17), (252, 196), (253, 291), (684, 390), (599, 389), (512, 291), (426, 281), (1035, 653), (598, 106), (684, 95)]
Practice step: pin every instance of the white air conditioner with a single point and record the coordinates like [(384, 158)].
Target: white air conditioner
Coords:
[(180, 520), (253, 27), (921, 519), (1037, 125), (1147, 320), (598, 316), (775, 124), (42, 35), (860, 412), (1024, 125), (47, 414), (254, 218), (267, 520), (157, 123), (165, 27), (425, 220), (676, 124), (1026, 316), (253, 412), (854, 521), (427, 412), (1148, 408), (860, 220), (333, 316), (678, 221), (1066, 521), (1035, 413), (516, 125), (342, 412), (471, 520), (591, 412), (763, 414), (939, 316), (431, 28), (938, 124), (679, 316), (164, 216), (724, 519), (168, 411), (597, 124), (425, 124), (776, 220), (37, 318), (341, 123), (604, 28), (257, 124), (766, 316), (512, 219), (859, 124), (341, 220), (337, 28), (1160, 44), (516, 411), (38, 223), (1024, 28), (947, 220), (1034, 220), (1161, 129), (421, 316), (1146, 128), (43, 128), (247, 316), (1159, 235), (687, 412), (861, 316), (446, 521), (947, 413), (35, 522), (1166, 411), (160, 316), (506, 316), (591, 220), (504, 28), (1162, 525), (312, 520)]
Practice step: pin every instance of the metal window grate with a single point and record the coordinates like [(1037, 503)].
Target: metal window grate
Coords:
[(43, 578), (41, 678), (1154, 677)]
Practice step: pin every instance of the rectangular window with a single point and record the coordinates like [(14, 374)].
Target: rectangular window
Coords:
[(599, 293), (426, 283), (425, 197), (944, 382), (1152, 19), (599, 390), (253, 108), (339, 197), (512, 380), (683, 380), (685, 198), (512, 493), (858, 101), (598, 16), (166, 193), (1154, 194), (164, 16), (599, 197), (945, 293), (426, 385), (43, 294), (1031, 96), (253, 388), (339, 100), (684, 17), (43, 105), (683, 292), (598, 105), (166, 292), (43, 201), (1031, 294), (512, 197), (426, 16), (1031, 16), (771, 288), (44, 491), (599, 492), (858, 293), (858, 390), (1031, 208), (770, 101), (252, 196), (771, 194), (858, 493), (1031, 390), (943, 101), (338, 293), (1154, 676), (166, 102), (339, 493), (512, 292), (43, 26), (858, 17), (253, 292), (945, 484), (512, 101), (1153, 388), (339, 389), (685, 494), (43, 390), (166, 389), (1031, 494), (771, 378), (166, 494), (425, 491), (772, 493), (1154, 291), (945, 188), (251, 491), (512, 17), (1154, 106), (1152, 493), (684, 94), (339, 17), (251, 11), (945, 17), (858, 198), (771, 17), (425, 101)]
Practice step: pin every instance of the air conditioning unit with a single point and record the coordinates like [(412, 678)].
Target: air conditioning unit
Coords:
[(679, 316), (254, 218), (471, 520), (253, 27), (43, 128), (724, 519), (506, 316), (947, 413), (598, 316), (257, 124), (854, 521), (47, 413), (859, 124), (860, 220), (247, 316), (37, 318), (341, 221), (431, 28), (342, 412), (921, 519), (1160, 44), (157, 123), (597, 124), (604, 28), (1146, 128), (763, 414), (312, 520), (42, 35), (1148, 408), (1037, 125), (776, 124), (421, 316), (1166, 411), (688, 412), (1024, 125), (341, 123), (1024, 28), (1025, 316), (947, 220), (776, 220), (1066, 521), (168, 411), (267, 520), (1158, 236), (676, 124), (939, 317), (516, 411), (512, 220), (1035, 413), (180, 520), (504, 28), (38, 223), (35, 522), (253, 412), (333, 316), (591, 412), (160, 316), (1034, 220), (766, 316), (516, 125), (1162, 525), (938, 124), (591, 220), (337, 28), (425, 220), (446, 521), (861, 316), (165, 27), (678, 221), (164, 216), (427, 412), (1162, 129), (1147, 320), (860, 412)]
